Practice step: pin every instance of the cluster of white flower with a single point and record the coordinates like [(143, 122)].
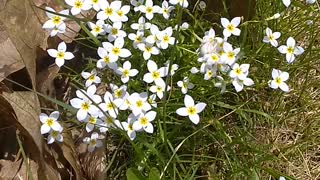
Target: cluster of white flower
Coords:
[(100, 114), (291, 50), (51, 125)]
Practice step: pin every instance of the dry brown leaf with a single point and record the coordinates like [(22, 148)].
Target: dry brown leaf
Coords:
[(9, 169)]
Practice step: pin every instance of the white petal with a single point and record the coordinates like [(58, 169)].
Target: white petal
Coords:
[(225, 22), (284, 76), (81, 114), (286, 2), (200, 107), (44, 129), (182, 111), (55, 115), (148, 128), (59, 62), (236, 21), (188, 101), (43, 117), (291, 42), (136, 126), (284, 87), (194, 118), (68, 55), (151, 115), (52, 52), (282, 49)]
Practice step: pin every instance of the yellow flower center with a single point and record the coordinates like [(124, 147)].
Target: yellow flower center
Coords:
[(108, 11), (120, 13), (149, 9), (139, 104), (116, 50), (230, 27), (54, 134), (230, 55), (210, 73), (109, 121), (165, 11), (238, 71), (125, 73), (166, 38), (148, 49), (159, 89), (97, 29), (271, 37), (114, 31), (92, 120), (85, 106), (278, 80), (117, 93), (56, 20), (78, 4), (155, 75), (130, 128), (214, 58), (60, 55), (106, 59), (138, 39), (91, 78), (143, 121), (49, 122), (110, 106), (93, 142), (191, 110), (94, 1), (290, 50)]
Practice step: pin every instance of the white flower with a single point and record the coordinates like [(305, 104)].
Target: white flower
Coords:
[(184, 26), (290, 50), (136, 38), (202, 5), (97, 28), (151, 39), (55, 136), (121, 14), (128, 126), (158, 90), (173, 69), (115, 31), (110, 105), (93, 141), (144, 122), (148, 50), (212, 58), (136, 4), (126, 103), (239, 84), (191, 110), (91, 122), (152, 100), (166, 9), (55, 23), (221, 84), (165, 38), (310, 1), (116, 50), (210, 71), (149, 9), (282, 178), (271, 37), (139, 103), (96, 4), (118, 92), (185, 85), (194, 70), (279, 79), (108, 11), (105, 59), (286, 2), (78, 5), (91, 77), (231, 27), (126, 72), (108, 122), (275, 16), (229, 56), (50, 123), (60, 54), (84, 104), (141, 25), (155, 75), (209, 36), (183, 3), (239, 71)]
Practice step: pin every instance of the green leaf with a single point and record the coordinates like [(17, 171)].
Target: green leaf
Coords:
[(254, 175), (134, 174), (154, 174)]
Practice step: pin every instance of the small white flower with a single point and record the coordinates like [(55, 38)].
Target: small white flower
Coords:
[(141, 25), (116, 50), (108, 122), (148, 50), (184, 26), (183, 3), (78, 5), (50, 123), (144, 122), (210, 71), (136, 4), (173, 69), (118, 92), (271, 37), (155, 75), (166, 9), (151, 39), (60, 54), (310, 1), (158, 90), (149, 9), (286, 2), (165, 38), (231, 27), (139, 103), (84, 104), (282, 178), (55, 23), (152, 100), (96, 4), (239, 71), (91, 122), (212, 59), (291, 50), (209, 36), (105, 59), (136, 38), (93, 141), (202, 5), (279, 79), (229, 56), (121, 14), (194, 70), (115, 31), (185, 85), (126, 72), (128, 126), (110, 105), (191, 110), (108, 11), (55, 136), (91, 77), (239, 84), (97, 28)]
